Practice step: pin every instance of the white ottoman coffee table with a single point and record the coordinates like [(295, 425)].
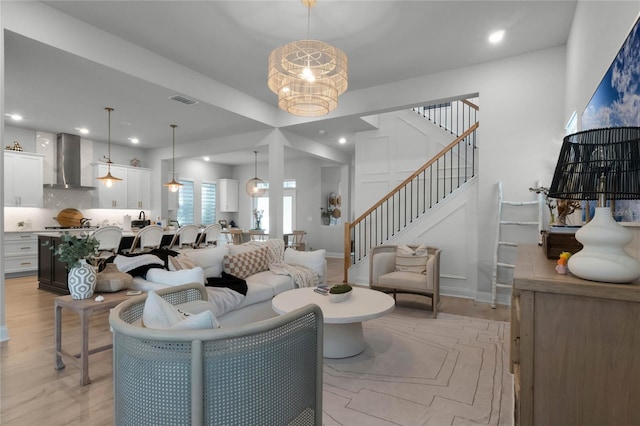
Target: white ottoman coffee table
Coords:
[(343, 335)]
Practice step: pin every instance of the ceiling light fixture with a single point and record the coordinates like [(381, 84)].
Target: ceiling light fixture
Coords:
[(16, 117), (83, 130), (342, 140), (134, 140), (255, 187), (205, 158), (496, 37), (173, 185), (308, 75), (109, 179)]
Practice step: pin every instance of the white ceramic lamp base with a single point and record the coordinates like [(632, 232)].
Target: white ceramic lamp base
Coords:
[(603, 257)]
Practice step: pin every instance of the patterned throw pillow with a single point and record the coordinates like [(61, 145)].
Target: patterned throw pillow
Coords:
[(408, 260), (245, 264)]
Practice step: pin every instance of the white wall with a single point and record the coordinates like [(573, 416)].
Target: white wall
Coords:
[(521, 124)]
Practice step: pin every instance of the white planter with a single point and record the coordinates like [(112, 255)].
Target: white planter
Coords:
[(82, 280), (340, 297)]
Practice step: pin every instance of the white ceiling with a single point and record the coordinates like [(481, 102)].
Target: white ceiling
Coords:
[(229, 42)]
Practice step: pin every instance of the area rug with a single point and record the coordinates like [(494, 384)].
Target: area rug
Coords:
[(419, 371)]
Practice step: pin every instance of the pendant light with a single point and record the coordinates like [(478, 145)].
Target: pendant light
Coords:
[(109, 179), (173, 185), (255, 187)]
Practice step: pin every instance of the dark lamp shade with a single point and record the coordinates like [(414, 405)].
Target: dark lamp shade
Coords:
[(585, 157)]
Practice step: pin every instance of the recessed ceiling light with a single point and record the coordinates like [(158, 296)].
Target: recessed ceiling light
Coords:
[(496, 37), (206, 158), (342, 140), (322, 131), (134, 140), (83, 130)]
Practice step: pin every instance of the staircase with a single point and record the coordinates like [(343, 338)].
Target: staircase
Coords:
[(437, 179)]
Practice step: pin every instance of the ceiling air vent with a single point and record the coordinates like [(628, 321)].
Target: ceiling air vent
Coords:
[(183, 100)]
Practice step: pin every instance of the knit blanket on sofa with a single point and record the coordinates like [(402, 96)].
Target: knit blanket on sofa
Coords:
[(301, 275)]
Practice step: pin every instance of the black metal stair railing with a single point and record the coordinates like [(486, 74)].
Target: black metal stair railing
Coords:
[(448, 170)]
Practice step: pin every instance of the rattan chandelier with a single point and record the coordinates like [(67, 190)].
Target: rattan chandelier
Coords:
[(308, 75)]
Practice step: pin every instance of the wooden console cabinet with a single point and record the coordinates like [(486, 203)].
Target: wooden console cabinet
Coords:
[(575, 347)]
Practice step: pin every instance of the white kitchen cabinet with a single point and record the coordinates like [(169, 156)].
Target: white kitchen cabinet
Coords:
[(116, 196), (20, 252), (138, 188), (23, 179), (228, 201)]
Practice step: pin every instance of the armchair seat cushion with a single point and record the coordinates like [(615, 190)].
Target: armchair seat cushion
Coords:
[(403, 280)]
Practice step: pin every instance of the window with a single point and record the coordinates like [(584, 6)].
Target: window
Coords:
[(288, 208), (208, 203), (185, 202)]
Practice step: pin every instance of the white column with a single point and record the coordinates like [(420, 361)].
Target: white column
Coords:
[(276, 179)]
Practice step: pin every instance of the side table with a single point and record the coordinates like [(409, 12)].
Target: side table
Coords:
[(85, 308)]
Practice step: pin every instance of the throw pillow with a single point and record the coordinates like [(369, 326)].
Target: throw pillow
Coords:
[(313, 260), (245, 264), (235, 249), (160, 314), (210, 259), (185, 276), (409, 260)]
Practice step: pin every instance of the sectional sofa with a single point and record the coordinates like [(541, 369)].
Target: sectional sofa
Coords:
[(267, 268)]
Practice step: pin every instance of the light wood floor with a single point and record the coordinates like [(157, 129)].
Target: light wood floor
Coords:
[(34, 393)]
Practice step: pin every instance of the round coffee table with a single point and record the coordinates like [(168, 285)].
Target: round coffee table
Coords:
[(343, 335)]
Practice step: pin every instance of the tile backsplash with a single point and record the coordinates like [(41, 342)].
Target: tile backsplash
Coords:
[(58, 199)]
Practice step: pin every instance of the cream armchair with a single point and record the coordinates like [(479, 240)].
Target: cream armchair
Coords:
[(385, 276)]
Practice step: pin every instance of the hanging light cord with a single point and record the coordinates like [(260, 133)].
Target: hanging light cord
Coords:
[(109, 135), (255, 168), (173, 156)]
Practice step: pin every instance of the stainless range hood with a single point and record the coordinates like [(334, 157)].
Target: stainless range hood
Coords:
[(68, 164)]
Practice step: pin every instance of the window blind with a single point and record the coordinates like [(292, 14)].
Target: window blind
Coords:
[(185, 203), (208, 203)]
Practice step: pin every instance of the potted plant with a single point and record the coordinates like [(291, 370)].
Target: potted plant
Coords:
[(257, 215), (73, 251), (340, 292)]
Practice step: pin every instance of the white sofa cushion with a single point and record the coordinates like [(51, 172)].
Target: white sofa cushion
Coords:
[(314, 260), (183, 276), (209, 259), (278, 283)]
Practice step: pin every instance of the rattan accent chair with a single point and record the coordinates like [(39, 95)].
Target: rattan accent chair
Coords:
[(263, 373), (384, 276)]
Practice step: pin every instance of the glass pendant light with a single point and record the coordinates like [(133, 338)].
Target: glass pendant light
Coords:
[(109, 179), (255, 187), (173, 185)]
